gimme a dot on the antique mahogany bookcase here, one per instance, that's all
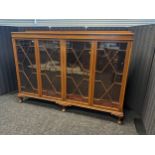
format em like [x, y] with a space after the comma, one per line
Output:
[87, 69]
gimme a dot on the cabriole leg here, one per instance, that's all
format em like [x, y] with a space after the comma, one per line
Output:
[63, 109]
[120, 120]
[21, 99]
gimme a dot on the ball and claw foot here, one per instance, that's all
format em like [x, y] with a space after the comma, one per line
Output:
[120, 121]
[20, 99]
[63, 109]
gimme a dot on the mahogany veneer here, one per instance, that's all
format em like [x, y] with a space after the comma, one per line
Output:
[74, 68]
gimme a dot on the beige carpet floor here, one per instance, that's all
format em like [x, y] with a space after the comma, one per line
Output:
[42, 117]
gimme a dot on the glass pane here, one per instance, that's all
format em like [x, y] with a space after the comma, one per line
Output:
[109, 70]
[27, 65]
[50, 67]
[78, 60]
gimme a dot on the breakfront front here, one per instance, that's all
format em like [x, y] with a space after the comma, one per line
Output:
[74, 68]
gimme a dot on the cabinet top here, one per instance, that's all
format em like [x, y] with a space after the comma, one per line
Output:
[98, 35]
[77, 32]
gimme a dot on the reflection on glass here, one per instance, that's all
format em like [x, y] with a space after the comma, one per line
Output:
[109, 69]
[78, 60]
[27, 65]
[50, 67]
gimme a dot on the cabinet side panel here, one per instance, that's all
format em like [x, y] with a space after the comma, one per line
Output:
[125, 74]
[16, 63]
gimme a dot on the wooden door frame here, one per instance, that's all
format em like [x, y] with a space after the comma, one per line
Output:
[17, 67]
[62, 66]
[125, 74]
[90, 74]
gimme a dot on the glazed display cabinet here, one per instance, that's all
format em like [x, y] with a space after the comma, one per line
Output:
[87, 69]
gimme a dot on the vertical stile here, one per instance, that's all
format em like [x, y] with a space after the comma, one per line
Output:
[17, 67]
[125, 74]
[92, 71]
[63, 68]
[37, 57]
